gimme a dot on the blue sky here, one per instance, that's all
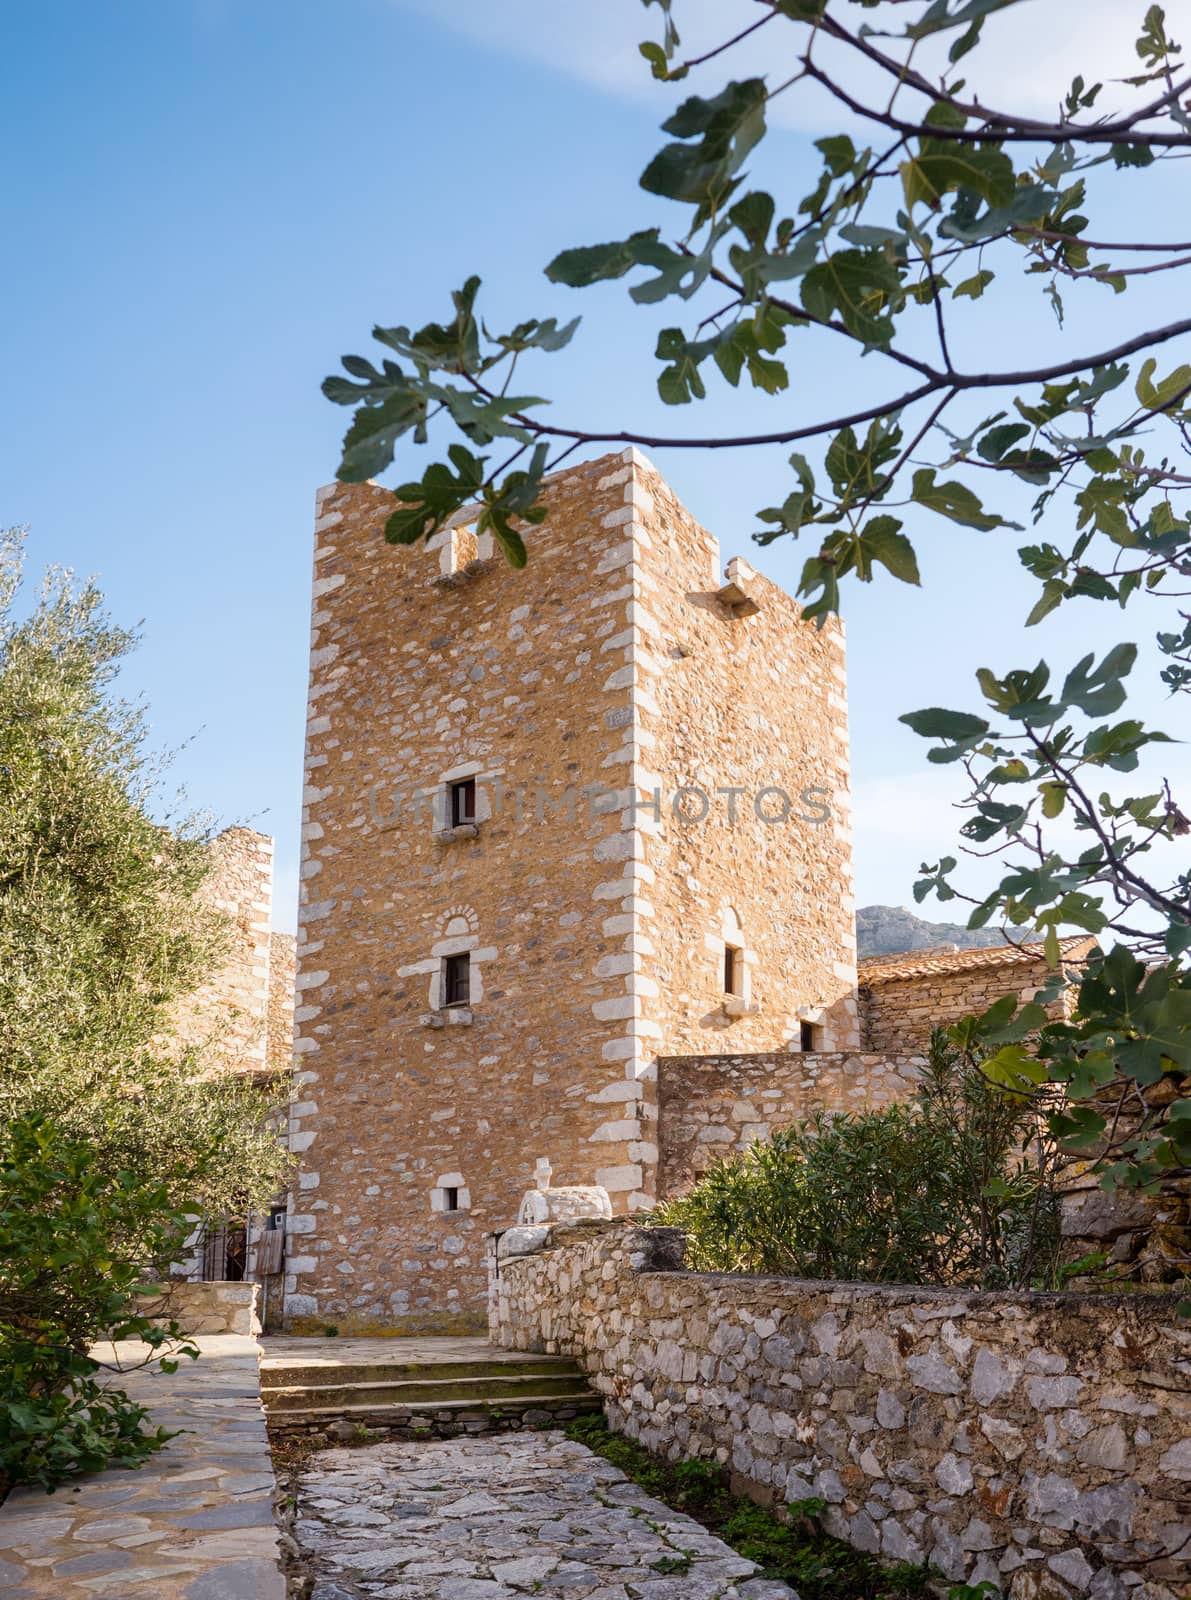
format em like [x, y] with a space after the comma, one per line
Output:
[209, 200]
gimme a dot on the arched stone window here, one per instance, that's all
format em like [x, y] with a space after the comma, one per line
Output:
[454, 967]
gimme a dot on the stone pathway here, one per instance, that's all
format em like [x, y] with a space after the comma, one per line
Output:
[194, 1523]
[309, 1350]
[501, 1518]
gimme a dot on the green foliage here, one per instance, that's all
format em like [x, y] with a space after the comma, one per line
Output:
[919, 215]
[955, 1188]
[817, 1566]
[101, 930]
[73, 1245]
[112, 1140]
[671, 1564]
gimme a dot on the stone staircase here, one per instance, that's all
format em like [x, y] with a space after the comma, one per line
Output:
[415, 1388]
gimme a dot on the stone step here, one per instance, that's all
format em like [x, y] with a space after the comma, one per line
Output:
[277, 1373]
[428, 1389]
[448, 1416]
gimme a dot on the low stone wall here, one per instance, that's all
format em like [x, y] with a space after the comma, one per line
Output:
[1040, 1442]
[206, 1307]
[712, 1106]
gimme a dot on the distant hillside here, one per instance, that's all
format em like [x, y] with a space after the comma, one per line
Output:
[889, 930]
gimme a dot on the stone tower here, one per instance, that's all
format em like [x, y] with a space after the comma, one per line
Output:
[557, 823]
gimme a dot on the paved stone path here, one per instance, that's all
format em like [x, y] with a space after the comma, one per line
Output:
[307, 1350]
[194, 1523]
[500, 1518]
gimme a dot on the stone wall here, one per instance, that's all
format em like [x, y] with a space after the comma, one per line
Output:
[206, 1307]
[739, 701]
[279, 1022]
[580, 697]
[227, 1019]
[1039, 1442]
[903, 997]
[713, 1106]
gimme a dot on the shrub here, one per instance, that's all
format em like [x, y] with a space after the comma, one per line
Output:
[113, 1140]
[74, 1241]
[103, 928]
[954, 1187]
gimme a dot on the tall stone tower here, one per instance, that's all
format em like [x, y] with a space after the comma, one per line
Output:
[557, 823]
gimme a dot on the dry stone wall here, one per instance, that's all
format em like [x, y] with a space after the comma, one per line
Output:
[710, 1107]
[1039, 1442]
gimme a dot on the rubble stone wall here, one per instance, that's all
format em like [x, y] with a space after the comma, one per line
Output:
[227, 1017]
[899, 1013]
[714, 1106]
[1039, 1442]
[580, 696]
[218, 1307]
[279, 1025]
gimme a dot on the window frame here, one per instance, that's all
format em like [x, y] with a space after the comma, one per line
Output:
[733, 970]
[461, 802]
[452, 967]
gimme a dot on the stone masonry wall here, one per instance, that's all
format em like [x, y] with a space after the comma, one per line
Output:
[1039, 1442]
[756, 704]
[580, 695]
[279, 1026]
[713, 1106]
[228, 1015]
[898, 1012]
[200, 1308]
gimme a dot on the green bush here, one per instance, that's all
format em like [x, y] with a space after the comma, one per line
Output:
[954, 1187]
[74, 1242]
[114, 1139]
[103, 926]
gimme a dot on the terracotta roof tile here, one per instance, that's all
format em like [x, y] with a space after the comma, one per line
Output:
[924, 963]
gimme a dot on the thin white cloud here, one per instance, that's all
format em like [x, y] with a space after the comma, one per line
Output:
[1026, 60]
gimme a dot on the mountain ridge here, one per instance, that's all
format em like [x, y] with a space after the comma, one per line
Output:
[894, 930]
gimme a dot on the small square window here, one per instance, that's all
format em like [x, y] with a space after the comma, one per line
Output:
[733, 969]
[457, 980]
[808, 1036]
[463, 802]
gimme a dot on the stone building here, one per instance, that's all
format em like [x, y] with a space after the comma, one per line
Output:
[241, 1025]
[903, 997]
[242, 1019]
[557, 823]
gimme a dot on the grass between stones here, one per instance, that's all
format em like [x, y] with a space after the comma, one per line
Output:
[817, 1566]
